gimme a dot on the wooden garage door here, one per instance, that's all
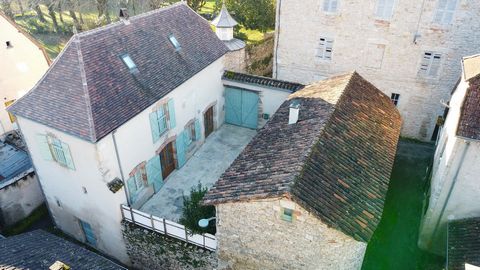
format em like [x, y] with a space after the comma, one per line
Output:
[241, 107]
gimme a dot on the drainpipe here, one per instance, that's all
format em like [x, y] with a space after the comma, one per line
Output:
[120, 168]
[417, 35]
[277, 38]
[450, 191]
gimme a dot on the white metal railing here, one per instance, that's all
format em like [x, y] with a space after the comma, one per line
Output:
[168, 227]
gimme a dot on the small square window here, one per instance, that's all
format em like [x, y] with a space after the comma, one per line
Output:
[175, 42]
[325, 49]
[9, 44]
[127, 60]
[287, 214]
[395, 98]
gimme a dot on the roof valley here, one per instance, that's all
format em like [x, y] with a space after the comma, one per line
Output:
[83, 75]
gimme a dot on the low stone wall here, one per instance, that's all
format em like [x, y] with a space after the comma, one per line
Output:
[151, 250]
[260, 57]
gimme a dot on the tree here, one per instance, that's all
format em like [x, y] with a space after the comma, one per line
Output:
[36, 6]
[196, 4]
[253, 14]
[6, 7]
[102, 7]
[71, 6]
[193, 211]
[51, 12]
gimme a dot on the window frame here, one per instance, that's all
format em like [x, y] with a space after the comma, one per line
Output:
[163, 119]
[139, 178]
[426, 71]
[287, 214]
[327, 6]
[444, 11]
[386, 15]
[324, 49]
[191, 133]
[129, 63]
[395, 98]
[175, 43]
[57, 151]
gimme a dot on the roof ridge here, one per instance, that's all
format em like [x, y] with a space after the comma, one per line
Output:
[119, 23]
[83, 75]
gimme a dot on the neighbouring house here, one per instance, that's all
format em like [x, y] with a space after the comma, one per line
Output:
[409, 49]
[20, 192]
[463, 250]
[235, 59]
[121, 108]
[41, 250]
[308, 191]
[454, 185]
[23, 62]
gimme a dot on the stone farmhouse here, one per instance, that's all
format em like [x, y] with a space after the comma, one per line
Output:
[454, 185]
[308, 191]
[409, 49]
[24, 61]
[115, 119]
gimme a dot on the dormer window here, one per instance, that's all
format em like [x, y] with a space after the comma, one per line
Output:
[175, 42]
[127, 60]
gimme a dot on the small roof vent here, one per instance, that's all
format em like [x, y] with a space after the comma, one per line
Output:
[175, 42]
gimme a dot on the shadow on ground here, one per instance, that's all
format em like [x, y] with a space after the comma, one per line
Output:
[394, 243]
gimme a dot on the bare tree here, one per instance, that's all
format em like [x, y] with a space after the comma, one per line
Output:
[6, 7]
[51, 12]
[20, 6]
[35, 4]
[102, 7]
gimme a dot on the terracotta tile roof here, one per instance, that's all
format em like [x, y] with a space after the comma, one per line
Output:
[89, 92]
[261, 81]
[463, 243]
[39, 250]
[335, 162]
[469, 124]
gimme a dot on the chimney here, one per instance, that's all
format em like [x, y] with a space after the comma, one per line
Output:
[294, 112]
[124, 16]
[58, 265]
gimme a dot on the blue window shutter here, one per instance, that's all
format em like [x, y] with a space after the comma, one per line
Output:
[89, 235]
[154, 173]
[154, 126]
[198, 130]
[181, 149]
[44, 147]
[68, 156]
[171, 112]
[132, 188]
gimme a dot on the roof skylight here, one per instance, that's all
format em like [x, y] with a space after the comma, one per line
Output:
[129, 62]
[175, 42]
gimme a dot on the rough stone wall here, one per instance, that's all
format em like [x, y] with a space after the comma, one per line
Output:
[355, 28]
[151, 250]
[236, 61]
[252, 235]
[19, 199]
[260, 57]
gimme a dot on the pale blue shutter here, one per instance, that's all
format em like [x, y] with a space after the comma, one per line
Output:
[171, 112]
[181, 149]
[326, 5]
[154, 126]
[198, 130]
[154, 173]
[132, 189]
[68, 156]
[44, 147]
[89, 235]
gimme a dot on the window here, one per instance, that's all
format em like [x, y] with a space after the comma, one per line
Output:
[53, 149]
[430, 65]
[287, 214]
[140, 178]
[385, 9]
[162, 119]
[8, 44]
[175, 42]
[375, 53]
[395, 98]
[127, 60]
[190, 133]
[11, 116]
[330, 6]
[445, 10]
[88, 232]
[325, 49]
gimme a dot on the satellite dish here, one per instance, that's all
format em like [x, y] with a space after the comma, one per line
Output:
[203, 223]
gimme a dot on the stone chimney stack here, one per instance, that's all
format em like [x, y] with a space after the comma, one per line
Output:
[123, 15]
[294, 112]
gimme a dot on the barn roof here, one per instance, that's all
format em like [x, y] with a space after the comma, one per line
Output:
[89, 91]
[335, 161]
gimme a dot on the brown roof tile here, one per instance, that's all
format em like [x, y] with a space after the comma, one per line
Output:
[469, 124]
[463, 243]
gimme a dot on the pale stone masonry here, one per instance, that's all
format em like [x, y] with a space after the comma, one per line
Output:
[387, 46]
[264, 241]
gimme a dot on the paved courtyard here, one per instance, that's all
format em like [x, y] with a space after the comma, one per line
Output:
[205, 166]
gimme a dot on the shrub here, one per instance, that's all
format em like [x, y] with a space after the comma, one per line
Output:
[193, 211]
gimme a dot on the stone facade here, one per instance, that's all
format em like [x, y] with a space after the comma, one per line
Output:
[151, 250]
[252, 235]
[235, 61]
[387, 52]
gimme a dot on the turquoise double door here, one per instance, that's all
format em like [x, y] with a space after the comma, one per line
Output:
[241, 107]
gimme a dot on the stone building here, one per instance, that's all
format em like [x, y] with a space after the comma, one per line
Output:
[454, 186]
[409, 49]
[235, 59]
[23, 63]
[308, 191]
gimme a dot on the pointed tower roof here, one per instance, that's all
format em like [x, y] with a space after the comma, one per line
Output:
[224, 19]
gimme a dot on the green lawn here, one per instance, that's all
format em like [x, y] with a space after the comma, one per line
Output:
[394, 244]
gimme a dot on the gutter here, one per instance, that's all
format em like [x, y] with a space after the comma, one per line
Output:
[120, 167]
[450, 191]
[277, 38]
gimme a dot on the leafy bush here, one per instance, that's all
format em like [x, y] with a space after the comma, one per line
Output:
[193, 211]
